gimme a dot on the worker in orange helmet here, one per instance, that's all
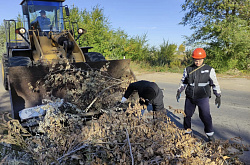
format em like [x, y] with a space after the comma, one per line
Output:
[197, 81]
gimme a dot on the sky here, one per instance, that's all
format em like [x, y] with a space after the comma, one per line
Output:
[158, 19]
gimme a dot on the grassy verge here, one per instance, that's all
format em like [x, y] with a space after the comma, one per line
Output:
[143, 67]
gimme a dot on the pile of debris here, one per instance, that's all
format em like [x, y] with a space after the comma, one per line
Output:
[70, 132]
[115, 138]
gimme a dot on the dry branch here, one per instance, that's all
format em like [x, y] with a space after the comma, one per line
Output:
[130, 149]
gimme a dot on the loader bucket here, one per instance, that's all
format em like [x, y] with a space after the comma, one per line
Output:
[20, 76]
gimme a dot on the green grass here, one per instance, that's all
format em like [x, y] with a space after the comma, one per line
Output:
[143, 67]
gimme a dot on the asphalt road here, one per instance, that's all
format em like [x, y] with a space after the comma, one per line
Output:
[4, 97]
[231, 120]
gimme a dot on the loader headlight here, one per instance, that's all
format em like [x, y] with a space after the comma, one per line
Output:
[81, 31]
[20, 31]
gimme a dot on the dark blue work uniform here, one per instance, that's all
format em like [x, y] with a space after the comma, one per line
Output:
[198, 83]
[43, 22]
[149, 91]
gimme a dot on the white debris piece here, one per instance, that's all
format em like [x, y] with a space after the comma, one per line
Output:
[38, 110]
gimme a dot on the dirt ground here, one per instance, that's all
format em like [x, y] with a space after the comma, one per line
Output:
[239, 84]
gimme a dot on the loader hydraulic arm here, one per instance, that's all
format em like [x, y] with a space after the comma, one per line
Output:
[63, 40]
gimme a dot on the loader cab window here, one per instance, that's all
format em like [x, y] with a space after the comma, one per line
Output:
[45, 16]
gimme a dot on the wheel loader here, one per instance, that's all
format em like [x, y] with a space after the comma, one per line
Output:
[45, 38]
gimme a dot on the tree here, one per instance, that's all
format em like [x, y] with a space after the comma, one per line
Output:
[111, 43]
[220, 25]
[166, 53]
[181, 49]
[11, 35]
[2, 40]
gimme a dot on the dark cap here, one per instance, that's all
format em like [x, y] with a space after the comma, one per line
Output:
[148, 93]
[42, 11]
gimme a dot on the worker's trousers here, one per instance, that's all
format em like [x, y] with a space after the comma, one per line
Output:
[204, 113]
[148, 109]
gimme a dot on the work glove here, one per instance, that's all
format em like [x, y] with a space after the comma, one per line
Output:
[147, 102]
[218, 101]
[178, 95]
[123, 100]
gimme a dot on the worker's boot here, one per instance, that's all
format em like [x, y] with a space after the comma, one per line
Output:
[211, 138]
[189, 132]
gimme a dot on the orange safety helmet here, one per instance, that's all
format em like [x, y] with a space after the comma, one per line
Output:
[199, 53]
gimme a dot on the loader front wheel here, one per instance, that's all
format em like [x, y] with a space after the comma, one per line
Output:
[94, 57]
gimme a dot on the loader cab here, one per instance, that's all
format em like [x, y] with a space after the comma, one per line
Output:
[43, 15]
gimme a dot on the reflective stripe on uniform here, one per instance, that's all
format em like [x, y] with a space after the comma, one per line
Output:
[200, 84]
[203, 84]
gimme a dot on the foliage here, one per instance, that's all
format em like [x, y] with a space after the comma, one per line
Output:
[9, 34]
[162, 57]
[181, 49]
[223, 27]
[167, 52]
[2, 40]
[114, 44]
[98, 29]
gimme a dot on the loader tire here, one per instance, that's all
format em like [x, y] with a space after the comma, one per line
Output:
[19, 61]
[94, 57]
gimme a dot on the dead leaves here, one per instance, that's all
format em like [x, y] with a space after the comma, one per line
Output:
[115, 138]
[121, 138]
[179, 111]
[12, 131]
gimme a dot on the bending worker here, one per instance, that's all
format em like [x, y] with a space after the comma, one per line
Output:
[147, 91]
[197, 80]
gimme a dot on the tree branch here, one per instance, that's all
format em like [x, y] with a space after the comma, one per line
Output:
[130, 149]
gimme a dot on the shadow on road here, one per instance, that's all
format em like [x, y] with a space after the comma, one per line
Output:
[176, 119]
[235, 136]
